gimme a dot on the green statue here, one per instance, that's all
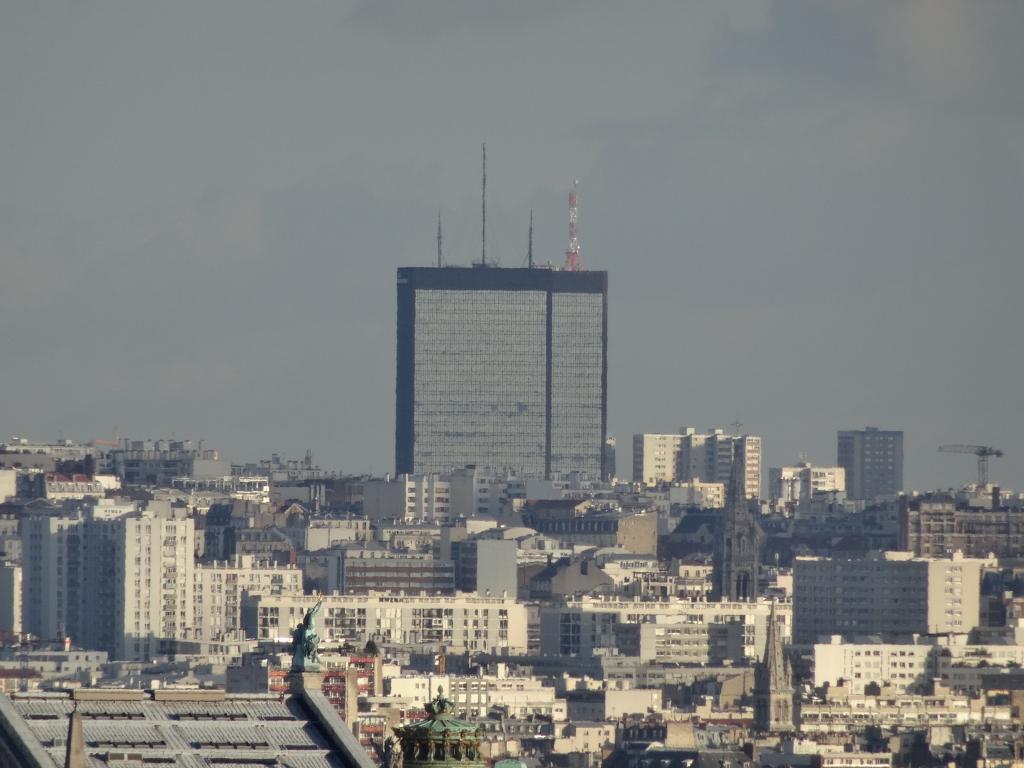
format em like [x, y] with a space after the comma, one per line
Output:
[305, 641]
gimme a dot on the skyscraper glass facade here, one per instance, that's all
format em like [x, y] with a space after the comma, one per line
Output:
[501, 368]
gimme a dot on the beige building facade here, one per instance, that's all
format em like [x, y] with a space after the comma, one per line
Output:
[885, 592]
[465, 622]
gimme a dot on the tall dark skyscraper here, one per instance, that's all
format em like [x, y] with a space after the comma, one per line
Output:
[873, 460]
[501, 368]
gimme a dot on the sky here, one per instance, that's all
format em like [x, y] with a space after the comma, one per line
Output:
[812, 213]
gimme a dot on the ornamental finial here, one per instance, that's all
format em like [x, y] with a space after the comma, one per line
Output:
[441, 705]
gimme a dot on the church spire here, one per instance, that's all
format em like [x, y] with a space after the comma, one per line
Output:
[773, 683]
[737, 556]
[736, 494]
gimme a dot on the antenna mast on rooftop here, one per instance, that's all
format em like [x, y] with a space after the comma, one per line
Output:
[529, 247]
[439, 238]
[572, 255]
[483, 212]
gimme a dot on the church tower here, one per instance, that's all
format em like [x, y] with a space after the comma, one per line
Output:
[773, 684]
[737, 555]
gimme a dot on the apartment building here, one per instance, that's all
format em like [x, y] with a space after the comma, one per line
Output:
[360, 569]
[408, 498]
[846, 712]
[461, 623]
[885, 592]
[697, 456]
[219, 588]
[112, 581]
[873, 461]
[656, 458]
[474, 696]
[672, 631]
[462, 493]
[159, 462]
[791, 485]
[10, 599]
[934, 525]
[911, 667]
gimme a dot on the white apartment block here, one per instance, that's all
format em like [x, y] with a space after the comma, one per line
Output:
[791, 485]
[465, 622]
[656, 458]
[885, 592]
[672, 631]
[219, 588]
[702, 456]
[695, 493]
[910, 667]
[8, 484]
[462, 493]
[154, 574]
[408, 498]
[109, 579]
[844, 713]
[521, 697]
[10, 598]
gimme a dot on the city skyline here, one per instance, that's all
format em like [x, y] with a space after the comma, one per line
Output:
[807, 213]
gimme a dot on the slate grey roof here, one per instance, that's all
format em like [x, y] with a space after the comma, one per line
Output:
[236, 731]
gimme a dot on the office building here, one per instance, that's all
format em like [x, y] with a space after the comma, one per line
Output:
[501, 368]
[893, 593]
[873, 461]
[610, 463]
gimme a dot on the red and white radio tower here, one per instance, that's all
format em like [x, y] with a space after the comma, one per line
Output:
[572, 255]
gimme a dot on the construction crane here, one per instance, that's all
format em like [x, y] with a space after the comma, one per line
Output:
[983, 452]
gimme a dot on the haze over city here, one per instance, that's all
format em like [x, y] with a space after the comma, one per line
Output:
[809, 213]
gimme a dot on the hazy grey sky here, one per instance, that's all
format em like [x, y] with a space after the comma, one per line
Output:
[812, 213]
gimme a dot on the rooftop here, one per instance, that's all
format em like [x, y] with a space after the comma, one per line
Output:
[193, 728]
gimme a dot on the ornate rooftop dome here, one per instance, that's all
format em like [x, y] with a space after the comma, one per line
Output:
[440, 739]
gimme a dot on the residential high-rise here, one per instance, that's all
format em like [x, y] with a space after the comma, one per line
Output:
[793, 484]
[702, 456]
[873, 460]
[656, 458]
[109, 580]
[501, 368]
[885, 592]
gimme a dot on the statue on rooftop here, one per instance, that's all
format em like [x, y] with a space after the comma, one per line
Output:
[440, 705]
[305, 641]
